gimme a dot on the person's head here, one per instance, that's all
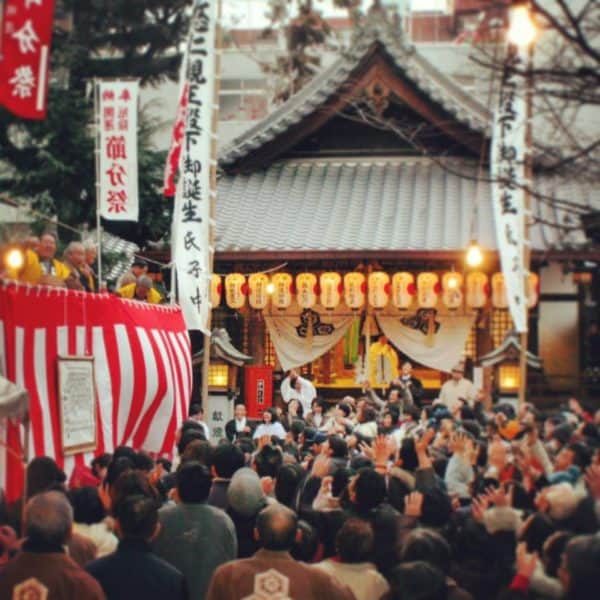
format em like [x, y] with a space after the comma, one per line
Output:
[337, 446]
[276, 527]
[139, 267]
[343, 410]
[91, 252]
[75, 254]
[367, 490]
[198, 450]
[408, 454]
[190, 431]
[387, 421]
[226, 460]
[536, 529]
[316, 406]
[268, 461]
[457, 371]
[143, 285]
[287, 483]
[406, 369]
[418, 580]
[130, 483]
[295, 408]
[137, 517]
[100, 465]
[579, 572]
[394, 396]
[48, 519]
[43, 474]
[552, 551]
[47, 246]
[306, 542]
[87, 506]
[368, 414]
[193, 482]
[196, 411]
[270, 416]
[427, 545]
[239, 411]
[575, 453]
[354, 541]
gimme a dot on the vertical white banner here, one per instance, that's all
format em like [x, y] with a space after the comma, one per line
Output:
[191, 218]
[118, 165]
[508, 175]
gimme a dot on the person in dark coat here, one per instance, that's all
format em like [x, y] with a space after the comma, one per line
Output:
[133, 571]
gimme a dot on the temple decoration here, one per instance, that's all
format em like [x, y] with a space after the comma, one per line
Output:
[403, 290]
[355, 287]
[379, 289]
[428, 288]
[235, 290]
[331, 289]
[258, 290]
[306, 290]
[477, 289]
[282, 294]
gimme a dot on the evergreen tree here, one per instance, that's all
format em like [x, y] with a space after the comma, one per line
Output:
[51, 162]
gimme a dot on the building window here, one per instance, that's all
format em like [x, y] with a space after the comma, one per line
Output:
[501, 324]
[243, 99]
[269, 350]
[218, 375]
[471, 345]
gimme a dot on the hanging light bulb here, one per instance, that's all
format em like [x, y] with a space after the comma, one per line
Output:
[14, 258]
[270, 288]
[522, 29]
[474, 256]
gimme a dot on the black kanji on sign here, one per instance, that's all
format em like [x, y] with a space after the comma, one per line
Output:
[510, 235]
[194, 268]
[217, 416]
[196, 299]
[196, 72]
[189, 241]
[194, 167]
[192, 189]
[506, 203]
[190, 213]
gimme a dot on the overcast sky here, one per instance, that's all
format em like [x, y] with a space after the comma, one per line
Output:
[250, 13]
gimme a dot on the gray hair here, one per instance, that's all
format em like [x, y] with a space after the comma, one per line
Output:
[90, 245]
[72, 246]
[48, 518]
[144, 281]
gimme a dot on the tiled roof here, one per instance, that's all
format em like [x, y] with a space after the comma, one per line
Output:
[425, 75]
[112, 244]
[377, 204]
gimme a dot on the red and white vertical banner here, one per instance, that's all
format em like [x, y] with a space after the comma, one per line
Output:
[508, 175]
[117, 106]
[192, 214]
[25, 40]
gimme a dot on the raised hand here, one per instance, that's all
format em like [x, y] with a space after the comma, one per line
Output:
[525, 562]
[413, 504]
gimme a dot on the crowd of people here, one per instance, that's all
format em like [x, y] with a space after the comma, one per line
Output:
[376, 496]
[75, 271]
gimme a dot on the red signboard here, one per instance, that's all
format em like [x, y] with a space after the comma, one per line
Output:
[258, 390]
[26, 33]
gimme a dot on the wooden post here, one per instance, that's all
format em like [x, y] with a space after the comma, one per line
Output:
[213, 190]
[524, 337]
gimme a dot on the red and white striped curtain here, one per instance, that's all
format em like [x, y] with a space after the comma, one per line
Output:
[142, 371]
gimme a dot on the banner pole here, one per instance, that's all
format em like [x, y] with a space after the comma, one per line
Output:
[97, 168]
[212, 193]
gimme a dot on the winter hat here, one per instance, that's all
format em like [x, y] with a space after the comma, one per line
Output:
[245, 493]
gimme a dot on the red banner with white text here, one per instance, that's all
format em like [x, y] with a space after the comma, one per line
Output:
[25, 40]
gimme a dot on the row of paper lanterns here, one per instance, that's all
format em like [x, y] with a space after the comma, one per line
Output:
[401, 290]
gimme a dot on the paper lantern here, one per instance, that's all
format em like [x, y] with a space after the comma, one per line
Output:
[428, 288]
[403, 290]
[216, 289]
[533, 290]
[235, 290]
[477, 293]
[258, 290]
[379, 289]
[331, 289]
[499, 297]
[306, 286]
[452, 294]
[282, 292]
[354, 290]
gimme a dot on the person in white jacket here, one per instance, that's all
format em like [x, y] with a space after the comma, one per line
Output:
[294, 386]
